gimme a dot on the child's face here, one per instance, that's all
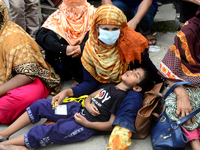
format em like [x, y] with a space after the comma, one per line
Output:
[132, 77]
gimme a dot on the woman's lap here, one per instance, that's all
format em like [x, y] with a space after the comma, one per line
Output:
[127, 112]
[14, 103]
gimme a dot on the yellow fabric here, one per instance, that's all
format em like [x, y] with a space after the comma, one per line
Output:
[70, 21]
[20, 54]
[80, 99]
[120, 138]
[107, 63]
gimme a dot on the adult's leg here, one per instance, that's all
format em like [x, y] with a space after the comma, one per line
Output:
[15, 102]
[125, 120]
[32, 17]
[17, 8]
[147, 21]
[121, 5]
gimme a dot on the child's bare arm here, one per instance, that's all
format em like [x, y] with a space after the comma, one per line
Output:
[92, 109]
[102, 126]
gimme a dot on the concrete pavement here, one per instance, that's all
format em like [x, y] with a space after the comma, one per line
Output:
[99, 142]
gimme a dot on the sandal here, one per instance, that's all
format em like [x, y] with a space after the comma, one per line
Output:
[3, 139]
[152, 39]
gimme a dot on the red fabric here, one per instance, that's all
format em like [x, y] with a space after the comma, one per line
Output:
[15, 102]
[192, 135]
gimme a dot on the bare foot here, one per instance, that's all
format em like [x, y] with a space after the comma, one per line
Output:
[12, 147]
[152, 39]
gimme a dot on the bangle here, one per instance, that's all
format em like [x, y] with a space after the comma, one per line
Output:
[182, 96]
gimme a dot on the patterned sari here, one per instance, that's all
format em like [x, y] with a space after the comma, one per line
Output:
[182, 63]
[20, 54]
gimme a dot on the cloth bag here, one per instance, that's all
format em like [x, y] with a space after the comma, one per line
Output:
[167, 134]
[149, 111]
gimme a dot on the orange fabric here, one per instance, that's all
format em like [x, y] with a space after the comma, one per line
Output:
[107, 63]
[20, 54]
[120, 139]
[131, 44]
[72, 20]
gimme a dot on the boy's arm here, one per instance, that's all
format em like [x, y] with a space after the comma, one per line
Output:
[102, 126]
[92, 109]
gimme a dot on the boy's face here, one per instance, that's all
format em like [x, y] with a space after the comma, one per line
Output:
[132, 77]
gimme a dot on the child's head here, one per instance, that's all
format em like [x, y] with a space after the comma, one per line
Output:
[139, 79]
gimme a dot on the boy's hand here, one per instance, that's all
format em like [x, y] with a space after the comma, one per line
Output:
[80, 119]
[92, 109]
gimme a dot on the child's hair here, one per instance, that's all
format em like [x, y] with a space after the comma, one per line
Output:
[147, 82]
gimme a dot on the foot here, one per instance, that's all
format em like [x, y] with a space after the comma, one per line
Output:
[152, 39]
[12, 147]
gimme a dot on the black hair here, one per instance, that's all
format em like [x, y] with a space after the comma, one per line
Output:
[147, 82]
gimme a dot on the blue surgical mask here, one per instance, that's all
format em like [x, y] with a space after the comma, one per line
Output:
[108, 37]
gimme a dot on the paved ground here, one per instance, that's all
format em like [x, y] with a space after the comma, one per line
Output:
[164, 41]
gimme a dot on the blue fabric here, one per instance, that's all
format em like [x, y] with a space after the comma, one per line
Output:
[89, 85]
[127, 112]
[135, 3]
[130, 7]
[65, 130]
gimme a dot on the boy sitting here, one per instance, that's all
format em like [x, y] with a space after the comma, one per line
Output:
[79, 123]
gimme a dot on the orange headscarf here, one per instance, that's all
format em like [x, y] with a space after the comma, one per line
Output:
[107, 63]
[72, 20]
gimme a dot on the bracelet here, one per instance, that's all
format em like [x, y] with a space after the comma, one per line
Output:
[182, 96]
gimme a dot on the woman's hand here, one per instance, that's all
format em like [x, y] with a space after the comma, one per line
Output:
[92, 109]
[183, 102]
[184, 107]
[80, 119]
[61, 96]
[73, 51]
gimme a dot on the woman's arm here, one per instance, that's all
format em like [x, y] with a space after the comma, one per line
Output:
[142, 10]
[49, 41]
[88, 86]
[102, 126]
[15, 82]
[183, 101]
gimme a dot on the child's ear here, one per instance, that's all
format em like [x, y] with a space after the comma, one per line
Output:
[137, 88]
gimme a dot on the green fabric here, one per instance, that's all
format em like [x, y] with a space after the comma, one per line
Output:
[171, 106]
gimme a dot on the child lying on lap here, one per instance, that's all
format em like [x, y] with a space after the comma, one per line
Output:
[79, 123]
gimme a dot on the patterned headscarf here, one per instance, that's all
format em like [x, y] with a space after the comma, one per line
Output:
[20, 54]
[72, 20]
[107, 63]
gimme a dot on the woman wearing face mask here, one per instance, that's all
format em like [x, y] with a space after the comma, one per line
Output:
[112, 47]
[63, 36]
